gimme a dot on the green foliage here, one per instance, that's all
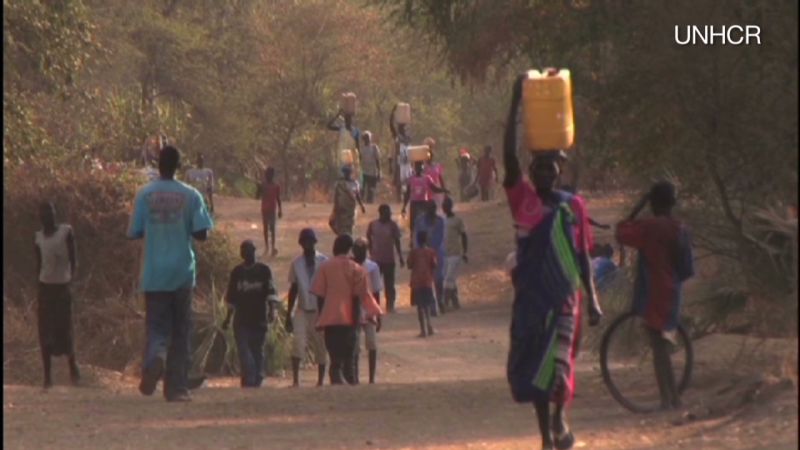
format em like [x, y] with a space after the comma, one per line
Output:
[723, 119]
[46, 44]
[217, 352]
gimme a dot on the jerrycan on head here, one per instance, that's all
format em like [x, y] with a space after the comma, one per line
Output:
[402, 115]
[547, 110]
[348, 103]
[346, 157]
[419, 153]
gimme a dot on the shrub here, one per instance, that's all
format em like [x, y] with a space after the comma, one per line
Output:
[108, 310]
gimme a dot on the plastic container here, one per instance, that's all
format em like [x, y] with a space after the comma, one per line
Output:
[402, 115]
[346, 157]
[419, 153]
[348, 103]
[547, 115]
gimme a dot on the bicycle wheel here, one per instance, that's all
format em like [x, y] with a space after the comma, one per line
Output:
[626, 362]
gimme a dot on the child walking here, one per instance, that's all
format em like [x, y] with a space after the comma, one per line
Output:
[251, 294]
[269, 192]
[456, 253]
[422, 262]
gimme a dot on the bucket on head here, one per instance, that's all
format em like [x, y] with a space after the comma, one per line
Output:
[346, 157]
[547, 114]
[348, 103]
[419, 153]
[402, 115]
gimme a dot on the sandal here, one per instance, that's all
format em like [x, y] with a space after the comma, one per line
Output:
[565, 441]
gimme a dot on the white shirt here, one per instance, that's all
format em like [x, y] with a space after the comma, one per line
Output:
[404, 164]
[374, 279]
[201, 179]
[55, 256]
[370, 156]
[373, 275]
[298, 273]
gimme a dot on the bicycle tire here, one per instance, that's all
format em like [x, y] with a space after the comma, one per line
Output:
[683, 383]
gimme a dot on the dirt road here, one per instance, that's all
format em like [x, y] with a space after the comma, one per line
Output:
[445, 392]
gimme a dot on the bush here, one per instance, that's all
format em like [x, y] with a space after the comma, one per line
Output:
[108, 310]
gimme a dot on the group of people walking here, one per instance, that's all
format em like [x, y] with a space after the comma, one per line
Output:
[333, 300]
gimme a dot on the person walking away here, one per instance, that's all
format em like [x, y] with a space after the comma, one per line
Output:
[202, 178]
[383, 236]
[346, 195]
[422, 262]
[434, 227]
[664, 263]
[455, 251]
[370, 166]
[342, 292]
[168, 214]
[349, 138]
[487, 173]
[269, 192]
[370, 325]
[436, 171]
[252, 296]
[553, 241]
[400, 162]
[466, 178]
[302, 313]
[421, 188]
[56, 263]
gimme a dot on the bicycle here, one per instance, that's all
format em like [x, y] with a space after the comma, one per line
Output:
[626, 360]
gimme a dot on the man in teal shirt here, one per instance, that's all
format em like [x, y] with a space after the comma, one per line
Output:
[168, 214]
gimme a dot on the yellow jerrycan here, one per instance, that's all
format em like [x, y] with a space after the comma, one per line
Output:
[346, 157]
[419, 153]
[547, 114]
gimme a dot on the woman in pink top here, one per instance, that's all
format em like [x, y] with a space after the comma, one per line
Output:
[435, 170]
[421, 188]
[552, 276]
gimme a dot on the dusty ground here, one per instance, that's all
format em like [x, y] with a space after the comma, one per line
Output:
[448, 391]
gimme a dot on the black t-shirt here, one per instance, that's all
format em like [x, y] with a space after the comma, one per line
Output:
[249, 289]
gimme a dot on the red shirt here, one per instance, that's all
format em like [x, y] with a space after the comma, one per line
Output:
[486, 169]
[270, 193]
[665, 261]
[422, 262]
[436, 172]
[420, 188]
[528, 211]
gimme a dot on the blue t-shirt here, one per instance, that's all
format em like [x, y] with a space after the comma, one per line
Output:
[434, 230]
[166, 213]
[604, 270]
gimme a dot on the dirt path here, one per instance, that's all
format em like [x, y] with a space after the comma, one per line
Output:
[448, 391]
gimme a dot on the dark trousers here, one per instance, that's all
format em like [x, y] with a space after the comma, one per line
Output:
[168, 321]
[250, 346]
[54, 319]
[370, 186]
[485, 192]
[663, 367]
[341, 341]
[415, 209]
[387, 271]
